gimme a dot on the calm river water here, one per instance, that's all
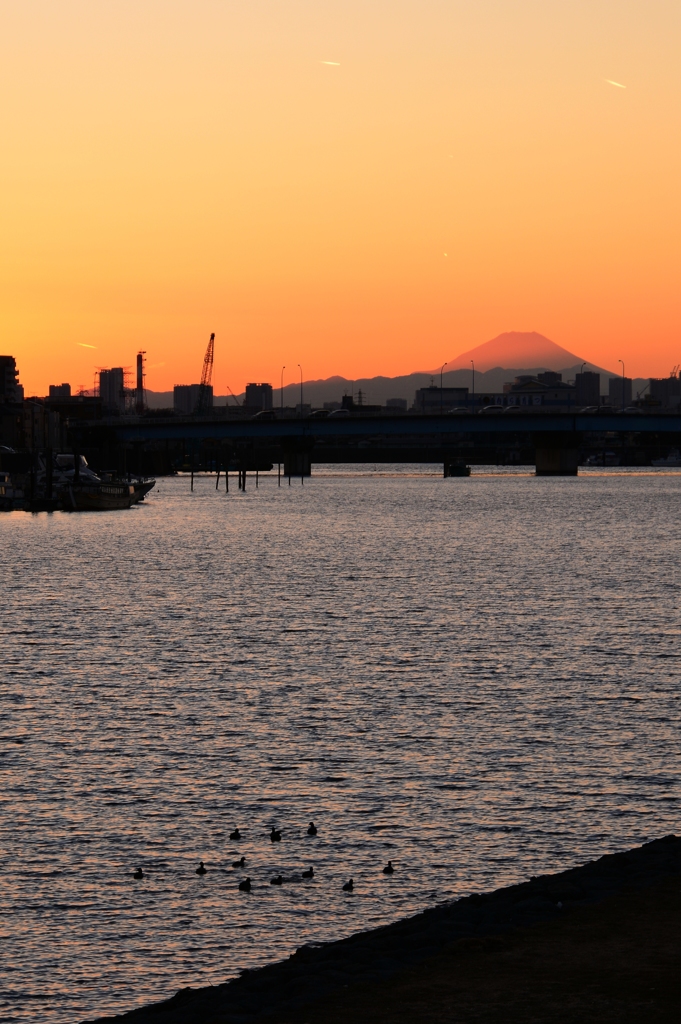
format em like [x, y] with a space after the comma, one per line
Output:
[475, 678]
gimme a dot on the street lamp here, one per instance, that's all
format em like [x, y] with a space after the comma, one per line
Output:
[473, 365]
[282, 388]
[441, 369]
[622, 362]
[301, 389]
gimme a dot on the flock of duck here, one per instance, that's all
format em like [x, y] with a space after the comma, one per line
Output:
[275, 837]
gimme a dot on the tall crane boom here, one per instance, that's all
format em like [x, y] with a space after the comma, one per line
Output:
[206, 377]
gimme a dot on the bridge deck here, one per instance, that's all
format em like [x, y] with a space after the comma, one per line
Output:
[414, 426]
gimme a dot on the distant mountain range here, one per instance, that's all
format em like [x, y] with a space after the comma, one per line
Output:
[496, 362]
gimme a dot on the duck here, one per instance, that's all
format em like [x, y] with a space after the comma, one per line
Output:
[201, 870]
[389, 869]
[236, 835]
[308, 874]
[349, 886]
[275, 836]
[239, 863]
[138, 874]
[277, 881]
[245, 886]
[312, 831]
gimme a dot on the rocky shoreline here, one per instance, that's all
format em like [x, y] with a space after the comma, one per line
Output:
[318, 973]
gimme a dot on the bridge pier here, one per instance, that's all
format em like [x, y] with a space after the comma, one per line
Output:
[556, 455]
[458, 468]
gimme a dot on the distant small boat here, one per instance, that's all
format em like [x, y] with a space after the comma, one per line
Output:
[603, 459]
[673, 459]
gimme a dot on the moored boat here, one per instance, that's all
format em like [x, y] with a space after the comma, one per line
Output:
[97, 497]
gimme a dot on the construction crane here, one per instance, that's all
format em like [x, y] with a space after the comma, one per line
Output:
[204, 402]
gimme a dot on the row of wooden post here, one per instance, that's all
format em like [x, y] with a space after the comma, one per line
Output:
[242, 478]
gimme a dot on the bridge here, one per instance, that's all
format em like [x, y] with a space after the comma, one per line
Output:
[554, 442]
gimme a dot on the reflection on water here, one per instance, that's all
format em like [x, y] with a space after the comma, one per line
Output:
[475, 678]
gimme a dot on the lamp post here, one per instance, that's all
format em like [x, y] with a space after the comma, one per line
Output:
[282, 388]
[622, 362]
[473, 365]
[441, 369]
[301, 390]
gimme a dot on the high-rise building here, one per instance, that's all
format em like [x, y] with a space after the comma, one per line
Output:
[10, 388]
[186, 398]
[666, 391]
[588, 388]
[619, 392]
[258, 397]
[60, 390]
[112, 390]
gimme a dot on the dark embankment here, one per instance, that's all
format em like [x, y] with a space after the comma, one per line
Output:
[599, 943]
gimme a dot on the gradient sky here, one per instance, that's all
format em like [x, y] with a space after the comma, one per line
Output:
[176, 167]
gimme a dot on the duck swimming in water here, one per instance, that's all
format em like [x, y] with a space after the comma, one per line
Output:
[275, 836]
[277, 881]
[312, 831]
[201, 870]
[245, 886]
[389, 869]
[236, 835]
[308, 874]
[349, 886]
[138, 874]
[239, 863]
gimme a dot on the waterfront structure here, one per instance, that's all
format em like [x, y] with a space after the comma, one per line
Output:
[258, 397]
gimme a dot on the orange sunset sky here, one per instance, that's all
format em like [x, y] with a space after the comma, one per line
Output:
[360, 186]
